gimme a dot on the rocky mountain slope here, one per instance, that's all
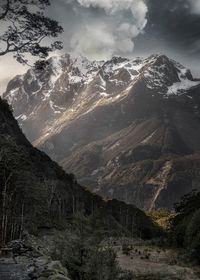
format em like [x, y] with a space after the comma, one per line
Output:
[128, 129]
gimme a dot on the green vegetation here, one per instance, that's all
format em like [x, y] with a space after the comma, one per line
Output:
[81, 250]
[185, 226]
[162, 217]
[36, 196]
[182, 227]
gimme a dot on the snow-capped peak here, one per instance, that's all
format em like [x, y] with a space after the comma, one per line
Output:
[68, 81]
[86, 66]
[117, 63]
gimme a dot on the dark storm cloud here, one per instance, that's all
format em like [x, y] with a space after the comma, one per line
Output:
[173, 28]
[175, 23]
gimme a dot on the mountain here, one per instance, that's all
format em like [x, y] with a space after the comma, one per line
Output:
[128, 128]
[36, 194]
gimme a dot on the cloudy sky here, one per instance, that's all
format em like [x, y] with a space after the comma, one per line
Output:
[100, 29]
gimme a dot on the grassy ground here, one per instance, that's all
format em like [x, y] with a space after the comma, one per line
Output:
[148, 262]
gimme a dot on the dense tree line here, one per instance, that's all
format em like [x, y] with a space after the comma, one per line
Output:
[185, 226]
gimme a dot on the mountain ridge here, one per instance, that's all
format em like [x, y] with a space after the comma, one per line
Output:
[124, 122]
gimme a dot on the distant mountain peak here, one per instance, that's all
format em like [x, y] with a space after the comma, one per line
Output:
[68, 81]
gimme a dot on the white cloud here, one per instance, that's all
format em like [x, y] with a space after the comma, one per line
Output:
[195, 6]
[114, 6]
[93, 41]
[111, 31]
[9, 68]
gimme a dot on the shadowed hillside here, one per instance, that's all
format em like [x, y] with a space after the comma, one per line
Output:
[37, 194]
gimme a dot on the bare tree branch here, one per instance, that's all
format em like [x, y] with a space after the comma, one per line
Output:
[7, 8]
[26, 30]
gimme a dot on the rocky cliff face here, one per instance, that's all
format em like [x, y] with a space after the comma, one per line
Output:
[128, 129]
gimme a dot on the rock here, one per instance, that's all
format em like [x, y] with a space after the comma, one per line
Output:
[58, 277]
[31, 270]
[43, 261]
[48, 272]
[35, 254]
[57, 266]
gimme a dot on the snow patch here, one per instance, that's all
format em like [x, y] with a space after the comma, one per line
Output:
[103, 82]
[56, 66]
[103, 94]
[74, 78]
[181, 87]
[132, 66]
[54, 108]
[21, 117]
[146, 140]
[12, 95]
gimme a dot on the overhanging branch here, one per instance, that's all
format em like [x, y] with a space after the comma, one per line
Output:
[7, 9]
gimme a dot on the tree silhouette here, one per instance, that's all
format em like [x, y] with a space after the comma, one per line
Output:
[25, 28]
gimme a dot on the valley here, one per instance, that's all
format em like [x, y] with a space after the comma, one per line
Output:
[99, 140]
[64, 230]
